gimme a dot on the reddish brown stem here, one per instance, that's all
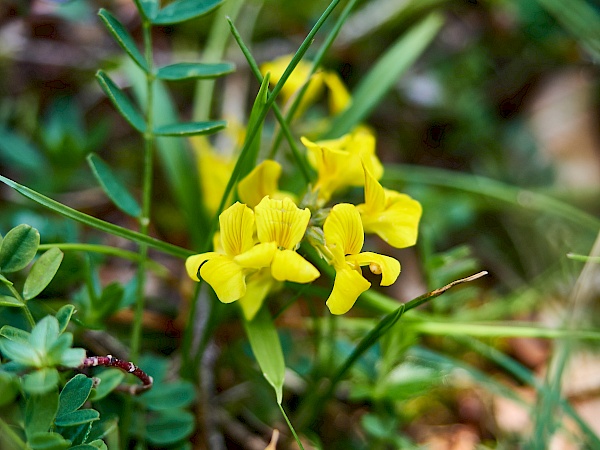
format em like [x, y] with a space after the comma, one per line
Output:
[125, 366]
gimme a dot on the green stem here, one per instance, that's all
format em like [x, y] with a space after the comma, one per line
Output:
[106, 250]
[25, 309]
[291, 427]
[7, 432]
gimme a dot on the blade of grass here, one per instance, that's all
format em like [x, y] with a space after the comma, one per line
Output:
[93, 222]
[488, 187]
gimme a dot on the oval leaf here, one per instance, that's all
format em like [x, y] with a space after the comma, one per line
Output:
[77, 418]
[44, 334]
[15, 334]
[19, 247]
[109, 380]
[42, 273]
[121, 102]
[266, 347]
[169, 428]
[111, 185]
[173, 395]
[63, 315]
[186, 71]
[40, 411]
[148, 8]
[41, 381]
[74, 394]
[182, 10]
[123, 38]
[48, 441]
[11, 302]
[190, 128]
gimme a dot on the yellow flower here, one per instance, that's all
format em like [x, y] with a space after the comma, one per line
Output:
[339, 97]
[339, 162]
[282, 223]
[344, 238]
[260, 182]
[297, 79]
[226, 272]
[391, 215]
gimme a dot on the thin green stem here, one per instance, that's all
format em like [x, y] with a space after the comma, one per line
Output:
[106, 250]
[25, 309]
[291, 427]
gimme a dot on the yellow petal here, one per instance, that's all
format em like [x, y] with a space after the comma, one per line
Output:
[226, 278]
[237, 229]
[281, 221]
[343, 230]
[193, 263]
[348, 285]
[374, 195]
[288, 265]
[330, 165]
[398, 222]
[257, 289]
[262, 181]
[258, 256]
[339, 97]
[214, 170]
[386, 266]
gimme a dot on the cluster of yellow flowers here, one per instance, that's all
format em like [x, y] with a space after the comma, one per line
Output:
[255, 250]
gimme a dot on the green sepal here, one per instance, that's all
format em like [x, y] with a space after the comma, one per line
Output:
[121, 102]
[188, 71]
[42, 272]
[123, 38]
[18, 248]
[113, 187]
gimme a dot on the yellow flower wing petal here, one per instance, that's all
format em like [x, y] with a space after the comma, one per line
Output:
[258, 287]
[398, 224]
[261, 181]
[339, 97]
[343, 230]
[258, 256]
[288, 265]
[193, 263]
[374, 196]
[348, 285]
[386, 266]
[237, 229]
[226, 278]
[281, 221]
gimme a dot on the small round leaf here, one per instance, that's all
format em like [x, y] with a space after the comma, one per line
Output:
[19, 247]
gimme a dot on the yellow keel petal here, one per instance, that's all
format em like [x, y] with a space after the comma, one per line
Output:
[348, 285]
[288, 265]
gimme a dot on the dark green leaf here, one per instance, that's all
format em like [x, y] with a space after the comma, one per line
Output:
[15, 334]
[385, 72]
[111, 185]
[165, 429]
[19, 247]
[48, 441]
[7, 300]
[121, 102]
[96, 223]
[42, 272]
[41, 381]
[40, 411]
[18, 153]
[78, 417]
[124, 39]
[190, 128]
[9, 388]
[186, 71]
[109, 380]
[148, 8]
[266, 347]
[173, 395]
[74, 394]
[63, 315]
[182, 10]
